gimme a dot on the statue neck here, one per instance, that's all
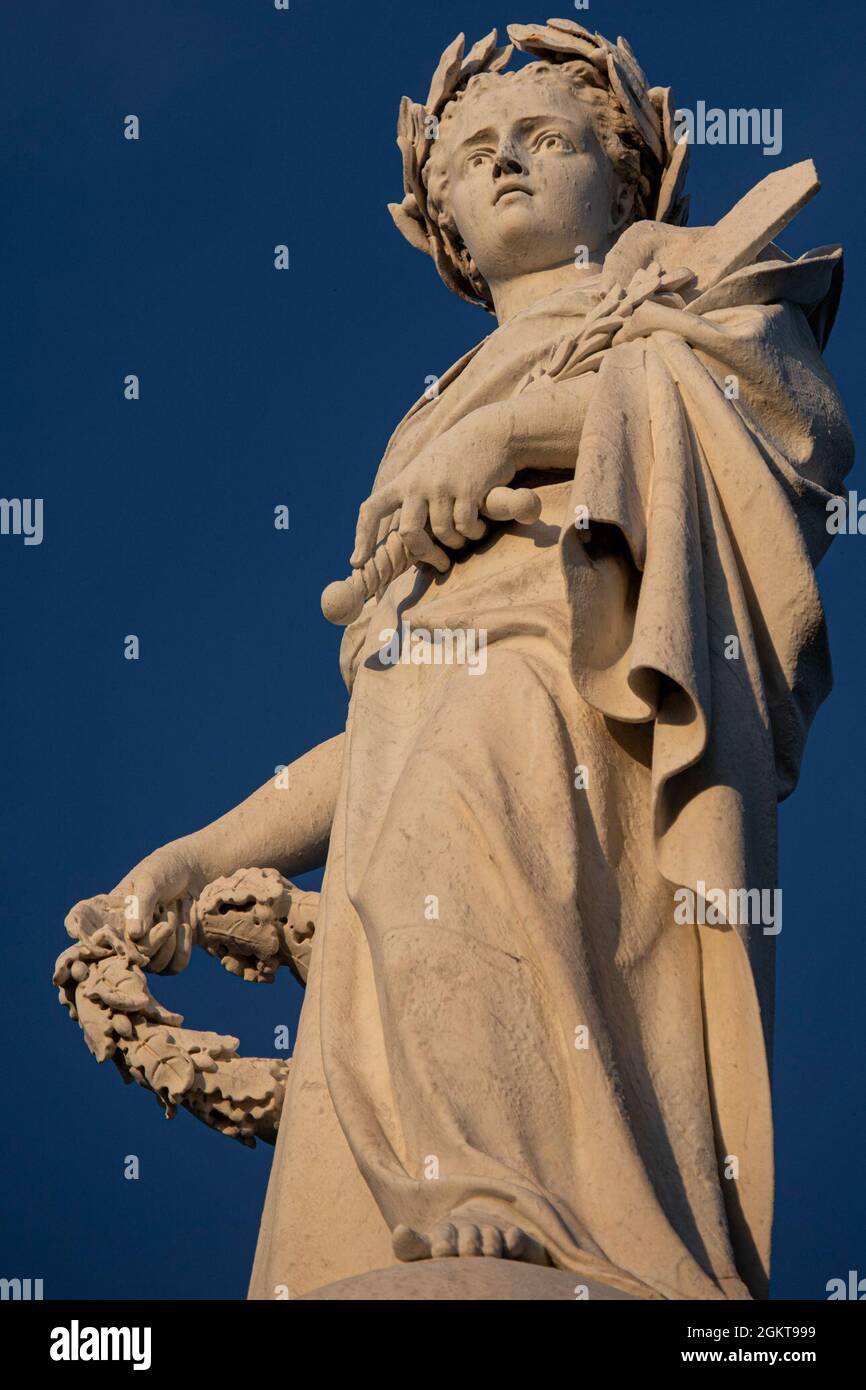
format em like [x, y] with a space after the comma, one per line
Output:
[520, 292]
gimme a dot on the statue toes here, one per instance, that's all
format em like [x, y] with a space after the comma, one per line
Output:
[408, 1244]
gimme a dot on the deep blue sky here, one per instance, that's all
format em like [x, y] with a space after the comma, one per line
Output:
[259, 387]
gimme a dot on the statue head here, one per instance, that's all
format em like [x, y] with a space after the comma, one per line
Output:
[510, 173]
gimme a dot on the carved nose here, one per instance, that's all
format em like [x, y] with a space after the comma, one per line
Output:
[507, 162]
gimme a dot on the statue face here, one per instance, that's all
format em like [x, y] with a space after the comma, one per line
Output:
[528, 180]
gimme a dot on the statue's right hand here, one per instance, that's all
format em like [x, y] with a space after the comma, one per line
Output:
[153, 899]
[160, 879]
[157, 895]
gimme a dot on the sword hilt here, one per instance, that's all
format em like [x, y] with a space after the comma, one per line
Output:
[343, 600]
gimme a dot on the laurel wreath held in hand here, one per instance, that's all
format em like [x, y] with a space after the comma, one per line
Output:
[253, 921]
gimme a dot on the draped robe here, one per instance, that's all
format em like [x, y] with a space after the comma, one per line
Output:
[502, 1011]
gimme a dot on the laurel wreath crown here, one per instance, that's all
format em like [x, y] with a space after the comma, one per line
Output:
[591, 57]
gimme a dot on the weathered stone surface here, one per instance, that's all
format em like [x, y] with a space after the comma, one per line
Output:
[465, 1280]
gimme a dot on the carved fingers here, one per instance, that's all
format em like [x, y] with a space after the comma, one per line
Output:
[155, 898]
[466, 519]
[426, 515]
[417, 540]
[370, 515]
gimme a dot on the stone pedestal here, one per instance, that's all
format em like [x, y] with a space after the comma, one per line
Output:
[465, 1280]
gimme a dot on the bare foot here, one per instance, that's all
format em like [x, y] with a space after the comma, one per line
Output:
[468, 1233]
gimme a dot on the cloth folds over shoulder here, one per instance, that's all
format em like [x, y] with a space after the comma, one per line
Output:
[712, 444]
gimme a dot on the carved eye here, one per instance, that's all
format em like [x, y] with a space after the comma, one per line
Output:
[477, 159]
[554, 143]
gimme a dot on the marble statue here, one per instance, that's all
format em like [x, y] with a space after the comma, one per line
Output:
[584, 644]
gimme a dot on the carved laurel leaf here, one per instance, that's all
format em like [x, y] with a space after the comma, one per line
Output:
[483, 56]
[95, 1022]
[172, 1075]
[117, 986]
[409, 145]
[166, 1069]
[411, 181]
[423, 124]
[662, 100]
[247, 1082]
[404, 121]
[570, 26]
[501, 58]
[207, 1048]
[557, 43]
[243, 1098]
[670, 201]
[408, 220]
[634, 99]
[446, 75]
[636, 74]
[479, 52]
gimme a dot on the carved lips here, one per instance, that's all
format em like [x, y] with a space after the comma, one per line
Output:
[512, 188]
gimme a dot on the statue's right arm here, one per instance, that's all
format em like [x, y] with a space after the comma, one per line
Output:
[285, 825]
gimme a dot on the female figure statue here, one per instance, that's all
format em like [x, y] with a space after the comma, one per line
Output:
[516, 1041]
